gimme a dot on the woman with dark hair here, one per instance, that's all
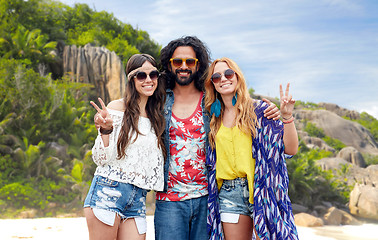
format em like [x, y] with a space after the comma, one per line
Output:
[129, 153]
[247, 158]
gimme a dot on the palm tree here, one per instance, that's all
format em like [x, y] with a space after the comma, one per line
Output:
[25, 44]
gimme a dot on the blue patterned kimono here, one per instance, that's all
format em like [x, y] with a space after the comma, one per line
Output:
[272, 214]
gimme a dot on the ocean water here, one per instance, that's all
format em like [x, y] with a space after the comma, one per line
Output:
[76, 228]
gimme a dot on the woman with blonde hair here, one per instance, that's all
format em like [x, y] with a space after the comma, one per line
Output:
[247, 158]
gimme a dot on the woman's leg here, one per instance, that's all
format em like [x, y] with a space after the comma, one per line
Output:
[99, 230]
[128, 231]
[236, 211]
[242, 230]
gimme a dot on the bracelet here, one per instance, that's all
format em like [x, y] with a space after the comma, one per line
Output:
[287, 118]
[106, 131]
[289, 121]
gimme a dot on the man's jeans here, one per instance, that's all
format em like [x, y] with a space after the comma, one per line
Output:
[183, 220]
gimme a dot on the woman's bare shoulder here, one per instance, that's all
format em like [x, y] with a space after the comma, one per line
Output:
[117, 105]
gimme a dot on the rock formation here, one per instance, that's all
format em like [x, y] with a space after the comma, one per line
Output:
[97, 66]
[307, 220]
[364, 201]
[342, 112]
[352, 155]
[350, 133]
[336, 216]
[315, 142]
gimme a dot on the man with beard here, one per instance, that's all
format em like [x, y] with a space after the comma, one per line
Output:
[181, 209]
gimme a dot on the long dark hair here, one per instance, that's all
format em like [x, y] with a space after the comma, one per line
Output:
[154, 107]
[202, 53]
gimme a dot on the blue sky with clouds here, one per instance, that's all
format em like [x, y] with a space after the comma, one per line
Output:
[326, 49]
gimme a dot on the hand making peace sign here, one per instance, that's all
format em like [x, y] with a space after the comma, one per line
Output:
[102, 118]
[287, 103]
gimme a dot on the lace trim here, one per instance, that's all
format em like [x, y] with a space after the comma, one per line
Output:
[143, 162]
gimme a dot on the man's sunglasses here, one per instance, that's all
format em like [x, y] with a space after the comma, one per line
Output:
[190, 62]
[142, 76]
[216, 77]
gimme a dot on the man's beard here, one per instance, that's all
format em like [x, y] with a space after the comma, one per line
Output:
[184, 81]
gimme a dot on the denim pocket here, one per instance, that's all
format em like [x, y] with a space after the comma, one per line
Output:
[107, 182]
[227, 187]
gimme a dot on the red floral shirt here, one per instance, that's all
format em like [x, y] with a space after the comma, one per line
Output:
[187, 172]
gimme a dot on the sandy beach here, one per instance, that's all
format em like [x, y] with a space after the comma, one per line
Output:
[76, 228]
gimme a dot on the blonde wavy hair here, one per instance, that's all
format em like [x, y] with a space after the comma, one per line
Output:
[245, 119]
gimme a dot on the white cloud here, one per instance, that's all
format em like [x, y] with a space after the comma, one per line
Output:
[327, 49]
[371, 107]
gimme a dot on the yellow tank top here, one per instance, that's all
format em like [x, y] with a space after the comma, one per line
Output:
[234, 156]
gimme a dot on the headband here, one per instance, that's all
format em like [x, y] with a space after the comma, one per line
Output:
[137, 70]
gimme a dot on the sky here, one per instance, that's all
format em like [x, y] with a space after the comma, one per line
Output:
[326, 49]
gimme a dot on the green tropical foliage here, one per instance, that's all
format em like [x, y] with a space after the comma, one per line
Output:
[370, 159]
[368, 122]
[53, 21]
[28, 45]
[46, 127]
[251, 91]
[314, 131]
[309, 185]
[335, 143]
[306, 105]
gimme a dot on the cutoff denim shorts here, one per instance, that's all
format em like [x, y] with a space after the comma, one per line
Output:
[126, 200]
[234, 199]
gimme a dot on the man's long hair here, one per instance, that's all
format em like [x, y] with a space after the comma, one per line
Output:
[154, 107]
[202, 54]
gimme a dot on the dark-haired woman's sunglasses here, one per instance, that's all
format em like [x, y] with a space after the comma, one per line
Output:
[142, 76]
[190, 62]
[216, 77]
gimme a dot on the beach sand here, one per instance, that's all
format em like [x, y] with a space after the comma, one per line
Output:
[76, 228]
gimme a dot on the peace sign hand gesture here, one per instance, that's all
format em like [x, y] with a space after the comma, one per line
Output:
[102, 118]
[287, 103]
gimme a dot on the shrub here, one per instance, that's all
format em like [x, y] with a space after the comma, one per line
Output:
[314, 131]
[335, 143]
[309, 185]
[36, 111]
[21, 195]
[370, 159]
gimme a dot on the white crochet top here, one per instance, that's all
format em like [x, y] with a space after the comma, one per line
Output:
[143, 162]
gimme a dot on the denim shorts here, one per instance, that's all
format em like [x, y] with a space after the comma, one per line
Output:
[109, 196]
[234, 199]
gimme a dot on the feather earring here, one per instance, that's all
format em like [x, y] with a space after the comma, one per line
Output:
[216, 108]
[234, 99]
